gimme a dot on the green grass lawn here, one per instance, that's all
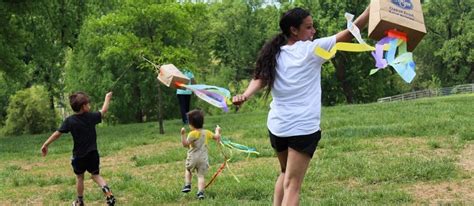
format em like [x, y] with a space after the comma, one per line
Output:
[414, 152]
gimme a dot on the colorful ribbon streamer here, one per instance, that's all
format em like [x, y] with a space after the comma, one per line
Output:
[225, 142]
[353, 28]
[342, 46]
[221, 168]
[403, 63]
[238, 147]
[216, 96]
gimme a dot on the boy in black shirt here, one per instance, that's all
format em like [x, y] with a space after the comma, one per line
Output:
[85, 154]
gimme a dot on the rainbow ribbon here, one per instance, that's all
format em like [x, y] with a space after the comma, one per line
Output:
[213, 95]
[238, 147]
[403, 63]
[225, 142]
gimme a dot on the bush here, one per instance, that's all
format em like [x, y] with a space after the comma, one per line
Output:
[28, 112]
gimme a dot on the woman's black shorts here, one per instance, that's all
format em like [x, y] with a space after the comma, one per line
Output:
[90, 162]
[302, 143]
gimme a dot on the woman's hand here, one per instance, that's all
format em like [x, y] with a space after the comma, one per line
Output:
[254, 86]
[44, 150]
[239, 99]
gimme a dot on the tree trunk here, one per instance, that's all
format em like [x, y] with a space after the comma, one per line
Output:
[339, 63]
[50, 90]
[160, 109]
[160, 106]
[51, 102]
[136, 93]
[137, 97]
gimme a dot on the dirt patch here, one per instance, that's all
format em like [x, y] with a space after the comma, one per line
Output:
[124, 156]
[444, 192]
[48, 165]
[169, 169]
[352, 183]
[29, 195]
[467, 159]
[449, 192]
[411, 146]
[398, 141]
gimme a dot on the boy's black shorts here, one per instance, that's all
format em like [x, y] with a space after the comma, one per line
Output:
[90, 162]
[302, 143]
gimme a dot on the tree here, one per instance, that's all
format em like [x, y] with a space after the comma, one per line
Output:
[446, 52]
[28, 112]
[239, 31]
[38, 35]
[351, 70]
[112, 46]
[12, 41]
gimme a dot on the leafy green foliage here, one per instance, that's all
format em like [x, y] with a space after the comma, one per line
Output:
[7, 88]
[96, 46]
[13, 39]
[110, 54]
[29, 113]
[239, 31]
[447, 51]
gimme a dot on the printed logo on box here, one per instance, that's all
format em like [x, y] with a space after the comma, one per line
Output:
[404, 4]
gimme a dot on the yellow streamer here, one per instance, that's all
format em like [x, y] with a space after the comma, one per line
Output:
[343, 46]
[349, 47]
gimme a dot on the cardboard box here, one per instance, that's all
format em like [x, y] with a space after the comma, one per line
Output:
[403, 15]
[169, 75]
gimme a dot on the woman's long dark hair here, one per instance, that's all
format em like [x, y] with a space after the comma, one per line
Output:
[266, 62]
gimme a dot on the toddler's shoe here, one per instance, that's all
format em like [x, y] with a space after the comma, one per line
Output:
[200, 195]
[186, 188]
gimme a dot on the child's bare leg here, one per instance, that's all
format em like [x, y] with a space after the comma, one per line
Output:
[201, 182]
[187, 177]
[99, 180]
[80, 185]
[103, 185]
[187, 181]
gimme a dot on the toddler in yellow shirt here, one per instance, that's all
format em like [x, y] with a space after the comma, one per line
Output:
[197, 158]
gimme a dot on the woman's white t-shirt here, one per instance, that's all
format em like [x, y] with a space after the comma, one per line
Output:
[296, 92]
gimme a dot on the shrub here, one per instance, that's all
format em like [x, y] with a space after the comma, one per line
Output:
[28, 112]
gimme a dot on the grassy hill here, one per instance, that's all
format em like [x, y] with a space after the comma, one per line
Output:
[411, 152]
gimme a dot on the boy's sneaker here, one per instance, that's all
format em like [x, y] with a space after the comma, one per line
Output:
[77, 202]
[200, 195]
[110, 200]
[186, 188]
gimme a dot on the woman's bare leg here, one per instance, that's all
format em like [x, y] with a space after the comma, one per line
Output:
[296, 167]
[279, 189]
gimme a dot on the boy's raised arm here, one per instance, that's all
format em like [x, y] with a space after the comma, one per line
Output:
[105, 106]
[51, 139]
